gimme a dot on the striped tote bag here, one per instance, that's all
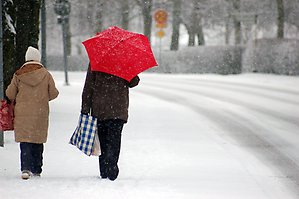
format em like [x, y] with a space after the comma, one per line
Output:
[84, 135]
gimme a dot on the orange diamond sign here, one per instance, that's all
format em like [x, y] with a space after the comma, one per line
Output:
[160, 33]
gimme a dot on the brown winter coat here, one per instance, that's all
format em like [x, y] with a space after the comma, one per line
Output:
[32, 87]
[106, 96]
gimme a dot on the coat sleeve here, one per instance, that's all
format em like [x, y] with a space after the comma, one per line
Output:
[87, 92]
[12, 89]
[53, 92]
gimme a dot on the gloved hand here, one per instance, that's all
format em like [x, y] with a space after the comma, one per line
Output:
[84, 112]
[134, 82]
[7, 99]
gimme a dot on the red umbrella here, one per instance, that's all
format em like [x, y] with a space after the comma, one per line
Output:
[120, 52]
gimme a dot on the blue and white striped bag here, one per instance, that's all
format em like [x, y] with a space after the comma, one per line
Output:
[84, 135]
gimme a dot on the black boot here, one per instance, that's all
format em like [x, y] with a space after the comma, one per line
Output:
[113, 172]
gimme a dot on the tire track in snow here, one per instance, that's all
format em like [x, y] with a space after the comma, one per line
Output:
[242, 85]
[228, 99]
[230, 83]
[243, 88]
[243, 132]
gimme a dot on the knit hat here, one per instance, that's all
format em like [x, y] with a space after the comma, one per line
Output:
[32, 54]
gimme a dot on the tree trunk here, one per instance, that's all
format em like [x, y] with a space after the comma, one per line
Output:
[193, 25]
[280, 19]
[200, 36]
[90, 14]
[227, 31]
[191, 40]
[99, 16]
[27, 27]
[237, 23]
[125, 10]
[198, 23]
[9, 50]
[147, 17]
[176, 25]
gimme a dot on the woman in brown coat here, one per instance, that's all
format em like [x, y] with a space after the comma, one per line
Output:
[106, 97]
[32, 87]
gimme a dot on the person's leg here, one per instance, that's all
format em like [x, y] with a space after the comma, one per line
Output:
[25, 156]
[37, 159]
[110, 141]
[114, 128]
[102, 132]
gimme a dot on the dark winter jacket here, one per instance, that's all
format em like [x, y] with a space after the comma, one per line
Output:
[106, 96]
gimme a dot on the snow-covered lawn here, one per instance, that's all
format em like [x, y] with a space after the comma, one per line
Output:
[188, 137]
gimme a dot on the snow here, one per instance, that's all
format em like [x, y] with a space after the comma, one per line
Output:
[188, 136]
[9, 23]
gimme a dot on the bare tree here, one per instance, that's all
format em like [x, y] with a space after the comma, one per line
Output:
[280, 19]
[125, 11]
[146, 7]
[9, 33]
[199, 14]
[27, 27]
[237, 23]
[191, 23]
[196, 28]
[291, 12]
[99, 16]
[176, 20]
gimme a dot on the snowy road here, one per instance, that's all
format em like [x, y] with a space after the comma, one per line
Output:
[260, 116]
[188, 136]
[265, 116]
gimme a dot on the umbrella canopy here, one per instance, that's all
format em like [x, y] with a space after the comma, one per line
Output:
[119, 52]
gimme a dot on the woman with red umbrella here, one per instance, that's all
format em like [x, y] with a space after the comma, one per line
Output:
[106, 97]
[116, 57]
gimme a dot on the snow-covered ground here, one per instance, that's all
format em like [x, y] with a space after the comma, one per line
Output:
[188, 137]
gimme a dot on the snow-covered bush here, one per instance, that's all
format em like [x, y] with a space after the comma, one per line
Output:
[206, 59]
[280, 56]
[201, 59]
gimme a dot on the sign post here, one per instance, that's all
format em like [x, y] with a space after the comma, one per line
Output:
[63, 9]
[160, 17]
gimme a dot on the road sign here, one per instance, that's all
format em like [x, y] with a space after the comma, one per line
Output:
[161, 25]
[62, 7]
[160, 33]
[161, 16]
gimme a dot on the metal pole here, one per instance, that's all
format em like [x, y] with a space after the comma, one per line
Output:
[62, 9]
[43, 33]
[1, 69]
[160, 51]
[65, 58]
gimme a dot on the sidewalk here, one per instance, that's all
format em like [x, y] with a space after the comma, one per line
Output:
[168, 152]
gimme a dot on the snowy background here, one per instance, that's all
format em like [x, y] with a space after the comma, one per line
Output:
[259, 51]
[191, 133]
[188, 136]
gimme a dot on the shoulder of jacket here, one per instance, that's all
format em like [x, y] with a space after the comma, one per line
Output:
[29, 67]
